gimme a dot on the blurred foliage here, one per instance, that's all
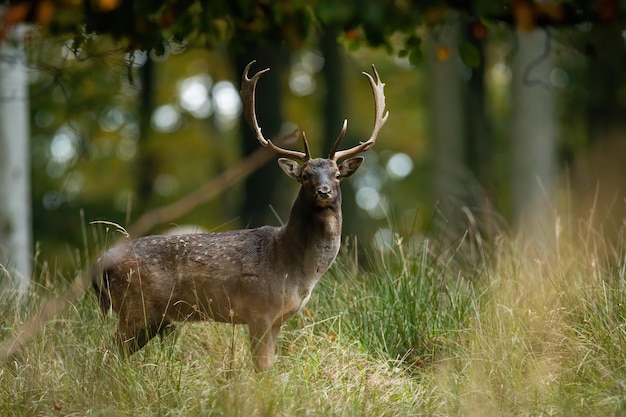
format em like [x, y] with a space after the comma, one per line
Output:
[85, 144]
[87, 56]
[94, 104]
[153, 24]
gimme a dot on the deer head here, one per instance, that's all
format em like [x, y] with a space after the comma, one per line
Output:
[319, 177]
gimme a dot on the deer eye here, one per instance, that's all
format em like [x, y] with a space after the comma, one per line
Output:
[338, 176]
[304, 176]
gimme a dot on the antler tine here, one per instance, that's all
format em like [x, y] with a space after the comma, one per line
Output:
[307, 152]
[248, 92]
[378, 88]
[331, 155]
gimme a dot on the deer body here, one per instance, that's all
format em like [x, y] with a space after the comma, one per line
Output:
[259, 277]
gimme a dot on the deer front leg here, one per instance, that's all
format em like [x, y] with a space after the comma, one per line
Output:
[263, 337]
[133, 336]
[134, 331]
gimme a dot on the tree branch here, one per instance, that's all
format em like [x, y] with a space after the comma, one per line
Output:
[169, 213]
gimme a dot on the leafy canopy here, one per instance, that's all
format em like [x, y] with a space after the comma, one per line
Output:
[151, 24]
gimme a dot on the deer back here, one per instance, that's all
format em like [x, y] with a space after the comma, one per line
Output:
[195, 276]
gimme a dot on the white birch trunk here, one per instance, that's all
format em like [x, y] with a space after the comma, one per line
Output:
[533, 135]
[15, 196]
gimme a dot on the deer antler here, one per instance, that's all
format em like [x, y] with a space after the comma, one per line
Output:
[380, 119]
[248, 91]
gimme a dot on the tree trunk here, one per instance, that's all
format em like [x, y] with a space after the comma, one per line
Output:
[596, 177]
[261, 187]
[146, 164]
[480, 188]
[334, 103]
[479, 139]
[605, 82]
[333, 113]
[533, 135]
[15, 201]
[447, 99]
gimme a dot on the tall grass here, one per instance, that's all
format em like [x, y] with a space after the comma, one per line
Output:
[410, 306]
[420, 331]
[549, 336]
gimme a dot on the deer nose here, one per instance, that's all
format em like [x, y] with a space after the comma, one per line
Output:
[323, 191]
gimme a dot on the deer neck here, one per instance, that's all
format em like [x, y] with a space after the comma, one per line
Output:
[313, 235]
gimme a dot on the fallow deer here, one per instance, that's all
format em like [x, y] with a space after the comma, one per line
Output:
[259, 277]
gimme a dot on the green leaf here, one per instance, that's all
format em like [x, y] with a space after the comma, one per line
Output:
[413, 42]
[416, 57]
[159, 48]
[469, 54]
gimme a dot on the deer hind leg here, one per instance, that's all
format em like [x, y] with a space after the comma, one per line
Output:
[263, 338]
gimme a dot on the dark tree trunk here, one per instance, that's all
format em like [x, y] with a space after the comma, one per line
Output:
[597, 175]
[607, 60]
[146, 164]
[261, 187]
[479, 143]
[333, 113]
[334, 103]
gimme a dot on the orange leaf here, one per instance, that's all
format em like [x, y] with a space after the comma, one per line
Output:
[443, 53]
[15, 13]
[479, 31]
[44, 12]
[524, 14]
[353, 35]
[108, 5]
[436, 14]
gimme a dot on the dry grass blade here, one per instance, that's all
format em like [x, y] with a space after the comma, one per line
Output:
[50, 309]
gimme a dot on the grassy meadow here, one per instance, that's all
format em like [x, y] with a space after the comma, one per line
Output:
[424, 330]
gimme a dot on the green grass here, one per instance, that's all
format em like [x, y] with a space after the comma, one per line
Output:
[418, 333]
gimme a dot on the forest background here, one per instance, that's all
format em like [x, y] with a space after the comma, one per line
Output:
[484, 267]
[496, 106]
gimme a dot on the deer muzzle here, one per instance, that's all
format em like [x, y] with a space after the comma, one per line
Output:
[324, 196]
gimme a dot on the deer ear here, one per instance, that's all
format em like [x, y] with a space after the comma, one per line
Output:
[349, 166]
[291, 168]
